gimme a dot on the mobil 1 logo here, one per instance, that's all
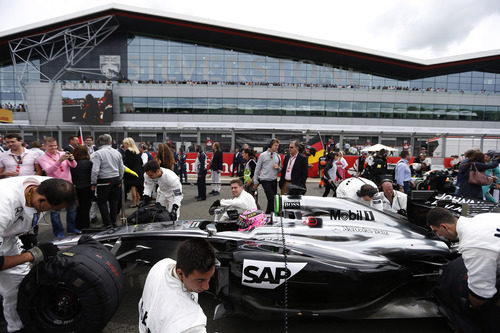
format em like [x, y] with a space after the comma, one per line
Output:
[268, 274]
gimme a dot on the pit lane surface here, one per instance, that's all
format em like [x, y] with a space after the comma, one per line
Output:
[126, 318]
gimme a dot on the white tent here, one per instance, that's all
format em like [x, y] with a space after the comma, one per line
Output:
[378, 147]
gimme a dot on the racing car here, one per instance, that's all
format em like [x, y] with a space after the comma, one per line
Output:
[314, 257]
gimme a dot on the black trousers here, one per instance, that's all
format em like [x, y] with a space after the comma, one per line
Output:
[84, 196]
[270, 188]
[108, 194]
[452, 293]
[202, 185]
[330, 186]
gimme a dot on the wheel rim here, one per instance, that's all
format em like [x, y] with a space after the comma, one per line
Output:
[59, 305]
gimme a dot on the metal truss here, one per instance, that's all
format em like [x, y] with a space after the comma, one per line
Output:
[73, 43]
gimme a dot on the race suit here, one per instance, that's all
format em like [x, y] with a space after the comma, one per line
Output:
[15, 219]
[166, 306]
[169, 189]
[244, 201]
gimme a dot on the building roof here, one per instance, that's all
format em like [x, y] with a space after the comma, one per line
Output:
[260, 41]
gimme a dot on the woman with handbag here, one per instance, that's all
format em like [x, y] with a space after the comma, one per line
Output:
[472, 177]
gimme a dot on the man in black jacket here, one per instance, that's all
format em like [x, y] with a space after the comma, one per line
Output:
[236, 162]
[295, 168]
[200, 167]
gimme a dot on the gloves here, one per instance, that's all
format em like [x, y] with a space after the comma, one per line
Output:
[145, 201]
[173, 212]
[212, 208]
[43, 252]
[29, 240]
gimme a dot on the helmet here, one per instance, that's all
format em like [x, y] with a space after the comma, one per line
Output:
[251, 219]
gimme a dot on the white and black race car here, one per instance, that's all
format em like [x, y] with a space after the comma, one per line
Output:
[314, 257]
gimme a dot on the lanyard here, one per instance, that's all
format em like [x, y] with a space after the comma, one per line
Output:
[289, 166]
[19, 160]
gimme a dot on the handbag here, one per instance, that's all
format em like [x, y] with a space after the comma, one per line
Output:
[477, 177]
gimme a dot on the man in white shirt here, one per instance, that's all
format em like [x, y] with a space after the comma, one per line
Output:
[169, 193]
[169, 300]
[18, 161]
[394, 201]
[241, 201]
[28, 197]
[479, 244]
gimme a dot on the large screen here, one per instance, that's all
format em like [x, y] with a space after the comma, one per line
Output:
[87, 106]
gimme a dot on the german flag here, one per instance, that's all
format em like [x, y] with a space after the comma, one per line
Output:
[315, 143]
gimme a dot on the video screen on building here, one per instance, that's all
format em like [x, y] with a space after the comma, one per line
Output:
[87, 106]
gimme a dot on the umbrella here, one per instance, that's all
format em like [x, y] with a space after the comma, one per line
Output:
[378, 147]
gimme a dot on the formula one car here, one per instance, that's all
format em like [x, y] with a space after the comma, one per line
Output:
[318, 256]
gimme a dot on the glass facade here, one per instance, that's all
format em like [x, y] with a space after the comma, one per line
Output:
[10, 93]
[298, 107]
[159, 60]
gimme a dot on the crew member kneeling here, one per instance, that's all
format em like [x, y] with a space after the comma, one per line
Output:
[169, 300]
[169, 193]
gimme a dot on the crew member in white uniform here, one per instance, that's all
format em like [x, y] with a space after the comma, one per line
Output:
[169, 302]
[393, 201]
[20, 207]
[362, 190]
[169, 193]
[479, 244]
[241, 201]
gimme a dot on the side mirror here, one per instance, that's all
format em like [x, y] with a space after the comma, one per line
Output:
[211, 229]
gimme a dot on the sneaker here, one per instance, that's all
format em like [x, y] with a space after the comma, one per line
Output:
[75, 232]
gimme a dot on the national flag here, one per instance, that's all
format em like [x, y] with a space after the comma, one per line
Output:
[316, 143]
[80, 138]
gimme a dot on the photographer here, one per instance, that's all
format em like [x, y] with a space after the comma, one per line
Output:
[57, 164]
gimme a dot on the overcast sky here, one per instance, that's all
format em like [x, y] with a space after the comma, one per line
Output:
[422, 29]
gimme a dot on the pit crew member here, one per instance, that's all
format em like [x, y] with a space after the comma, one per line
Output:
[169, 300]
[20, 210]
[169, 193]
[361, 190]
[479, 244]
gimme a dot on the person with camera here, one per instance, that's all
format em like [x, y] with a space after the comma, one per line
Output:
[169, 193]
[28, 197]
[393, 199]
[241, 201]
[57, 164]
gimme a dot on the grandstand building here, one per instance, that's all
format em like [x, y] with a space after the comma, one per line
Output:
[158, 77]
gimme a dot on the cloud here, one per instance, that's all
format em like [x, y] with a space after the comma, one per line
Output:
[434, 27]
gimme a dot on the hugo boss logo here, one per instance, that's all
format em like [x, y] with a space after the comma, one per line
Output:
[268, 274]
[291, 204]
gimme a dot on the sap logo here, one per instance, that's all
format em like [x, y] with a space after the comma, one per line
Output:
[366, 215]
[268, 274]
[291, 204]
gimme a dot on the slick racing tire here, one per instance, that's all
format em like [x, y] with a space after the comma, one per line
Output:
[78, 290]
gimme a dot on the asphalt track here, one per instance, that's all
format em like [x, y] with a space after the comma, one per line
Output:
[126, 318]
